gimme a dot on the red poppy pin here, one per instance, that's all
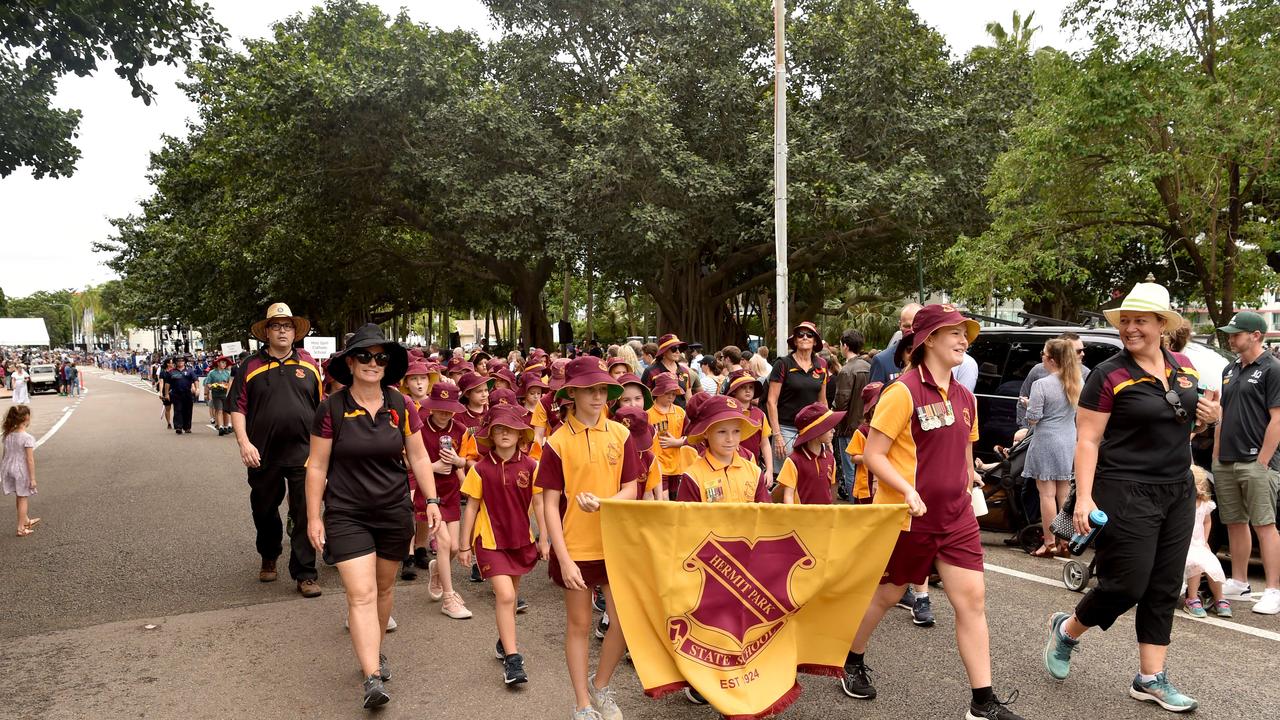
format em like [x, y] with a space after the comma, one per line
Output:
[395, 418]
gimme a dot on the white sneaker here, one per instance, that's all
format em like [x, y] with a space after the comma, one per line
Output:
[603, 700]
[346, 623]
[1270, 602]
[1235, 590]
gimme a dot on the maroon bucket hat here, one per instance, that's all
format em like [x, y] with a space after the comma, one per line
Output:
[627, 378]
[815, 419]
[557, 373]
[717, 409]
[511, 416]
[738, 378]
[588, 371]
[444, 398]
[637, 421]
[530, 380]
[473, 380]
[664, 383]
[931, 318]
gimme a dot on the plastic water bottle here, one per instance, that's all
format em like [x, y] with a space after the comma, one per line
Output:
[1079, 543]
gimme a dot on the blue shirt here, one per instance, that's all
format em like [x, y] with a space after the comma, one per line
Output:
[882, 367]
[180, 380]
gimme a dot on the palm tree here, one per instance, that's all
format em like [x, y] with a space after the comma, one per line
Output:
[1020, 39]
[85, 306]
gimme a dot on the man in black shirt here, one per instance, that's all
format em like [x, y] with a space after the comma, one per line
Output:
[273, 399]
[1244, 445]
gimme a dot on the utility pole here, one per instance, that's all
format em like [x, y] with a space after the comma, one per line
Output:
[780, 167]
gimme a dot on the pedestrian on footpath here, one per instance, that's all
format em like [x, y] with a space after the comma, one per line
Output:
[273, 399]
[1134, 423]
[18, 467]
[178, 384]
[1244, 455]
[217, 382]
[360, 438]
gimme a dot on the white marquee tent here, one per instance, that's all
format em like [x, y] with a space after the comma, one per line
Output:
[23, 332]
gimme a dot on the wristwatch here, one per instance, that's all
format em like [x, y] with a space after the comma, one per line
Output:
[433, 501]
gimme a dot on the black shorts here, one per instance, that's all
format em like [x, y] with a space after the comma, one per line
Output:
[354, 533]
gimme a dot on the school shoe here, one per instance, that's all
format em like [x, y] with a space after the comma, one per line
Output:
[1236, 590]
[1057, 651]
[178, 431]
[309, 588]
[993, 709]
[602, 626]
[375, 694]
[694, 696]
[454, 607]
[603, 700]
[922, 612]
[1161, 692]
[856, 681]
[420, 558]
[384, 669]
[522, 606]
[498, 651]
[1269, 604]
[391, 624]
[435, 589]
[407, 569]
[908, 599]
[1193, 607]
[513, 670]
[1222, 609]
[597, 599]
[475, 573]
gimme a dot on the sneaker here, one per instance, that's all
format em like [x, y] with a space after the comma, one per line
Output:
[498, 651]
[309, 588]
[694, 696]
[384, 670]
[597, 599]
[1193, 607]
[602, 699]
[602, 626]
[391, 623]
[375, 694]
[1222, 609]
[908, 601]
[586, 713]
[267, 573]
[1236, 590]
[856, 682]
[922, 612]
[1161, 692]
[408, 571]
[1269, 604]
[1057, 651]
[522, 605]
[435, 589]
[994, 709]
[177, 431]
[420, 558]
[513, 670]
[454, 607]
[475, 573]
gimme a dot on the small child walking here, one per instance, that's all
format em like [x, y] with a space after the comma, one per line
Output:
[1200, 559]
[18, 469]
[809, 472]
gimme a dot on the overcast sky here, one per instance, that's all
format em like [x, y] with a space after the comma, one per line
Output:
[48, 227]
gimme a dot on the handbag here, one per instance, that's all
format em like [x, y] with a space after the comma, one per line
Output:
[1064, 524]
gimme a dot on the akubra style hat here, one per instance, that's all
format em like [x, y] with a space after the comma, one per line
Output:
[738, 378]
[444, 398]
[627, 378]
[637, 421]
[669, 342]
[933, 317]
[814, 420]
[809, 326]
[587, 371]
[510, 416]
[871, 396]
[280, 311]
[556, 374]
[664, 383]
[530, 380]
[1245, 321]
[472, 380]
[1145, 297]
[718, 409]
[369, 336]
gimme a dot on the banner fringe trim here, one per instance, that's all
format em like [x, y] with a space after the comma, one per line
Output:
[665, 690]
[778, 706]
[824, 670]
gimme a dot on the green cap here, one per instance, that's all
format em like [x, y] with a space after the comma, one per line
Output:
[1245, 321]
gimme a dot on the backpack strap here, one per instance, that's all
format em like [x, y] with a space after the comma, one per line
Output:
[337, 402]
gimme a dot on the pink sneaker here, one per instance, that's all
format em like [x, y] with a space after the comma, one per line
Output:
[435, 589]
[454, 607]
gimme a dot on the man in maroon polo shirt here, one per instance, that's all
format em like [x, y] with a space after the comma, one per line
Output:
[273, 399]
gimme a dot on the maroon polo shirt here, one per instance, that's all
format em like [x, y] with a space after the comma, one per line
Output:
[505, 491]
[810, 475]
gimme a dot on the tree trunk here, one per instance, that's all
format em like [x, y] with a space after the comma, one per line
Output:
[526, 295]
[687, 306]
[631, 318]
[590, 334]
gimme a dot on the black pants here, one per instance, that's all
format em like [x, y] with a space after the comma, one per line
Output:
[1141, 555]
[182, 404]
[267, 489]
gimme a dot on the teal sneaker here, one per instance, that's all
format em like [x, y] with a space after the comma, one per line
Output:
[1193, 607]
[1222, 609]
[1162, 692]
[1057, 651]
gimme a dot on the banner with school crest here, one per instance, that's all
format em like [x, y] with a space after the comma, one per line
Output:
[736, 599]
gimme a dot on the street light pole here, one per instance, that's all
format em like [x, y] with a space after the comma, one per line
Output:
[780, 169]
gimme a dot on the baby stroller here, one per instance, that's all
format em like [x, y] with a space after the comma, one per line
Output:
[1076, 572]
[1012, 500]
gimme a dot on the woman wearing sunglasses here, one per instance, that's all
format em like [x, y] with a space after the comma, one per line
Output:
[359, 440]
[798, 379]
[1136, 416]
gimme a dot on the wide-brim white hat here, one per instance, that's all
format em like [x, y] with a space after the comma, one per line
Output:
[1146, 297]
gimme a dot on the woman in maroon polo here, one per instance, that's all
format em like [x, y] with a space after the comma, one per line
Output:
[921, 452]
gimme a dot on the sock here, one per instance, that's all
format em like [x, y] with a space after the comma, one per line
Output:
[924, 594]
[853, 658]
[1146, 678]
[983, 695]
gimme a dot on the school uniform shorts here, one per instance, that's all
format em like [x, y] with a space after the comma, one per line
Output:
[512, 562]
[915, 553]
[351, 534]
[593, 572]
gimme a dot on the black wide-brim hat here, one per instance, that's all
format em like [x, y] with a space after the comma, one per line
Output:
[366, 337]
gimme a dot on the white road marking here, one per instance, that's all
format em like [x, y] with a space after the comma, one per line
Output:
[1217, 622]
[56, 426]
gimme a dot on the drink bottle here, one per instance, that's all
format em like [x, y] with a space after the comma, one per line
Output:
[1079, 543]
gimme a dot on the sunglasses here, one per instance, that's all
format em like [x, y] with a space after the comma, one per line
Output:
[1175, 402]
[364, 356]
[806, 336]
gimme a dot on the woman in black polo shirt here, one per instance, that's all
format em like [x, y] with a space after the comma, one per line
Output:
[1136, 416]
[798, 379]
[359, 440]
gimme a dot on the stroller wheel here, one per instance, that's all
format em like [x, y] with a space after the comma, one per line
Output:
[1030, 538]
[1076, 575]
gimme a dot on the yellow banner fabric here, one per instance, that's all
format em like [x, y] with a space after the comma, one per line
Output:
[734, 599]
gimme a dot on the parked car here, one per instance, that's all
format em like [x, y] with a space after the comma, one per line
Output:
[43, 377]
[1005, 354]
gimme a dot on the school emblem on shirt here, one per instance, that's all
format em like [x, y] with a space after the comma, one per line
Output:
[1184, 382]
[745, 598]
[968, 417]
[299, 373]
[522, 479]
[613, 453]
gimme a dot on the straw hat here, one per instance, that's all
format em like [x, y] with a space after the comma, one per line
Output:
[280, 311]
[1146, 297]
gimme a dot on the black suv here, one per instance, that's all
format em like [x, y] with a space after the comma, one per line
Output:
[1005, 355]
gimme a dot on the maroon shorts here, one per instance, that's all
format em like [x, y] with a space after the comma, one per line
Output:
[915, 553]
[506, 562]
[450, 503]
[593, 572]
